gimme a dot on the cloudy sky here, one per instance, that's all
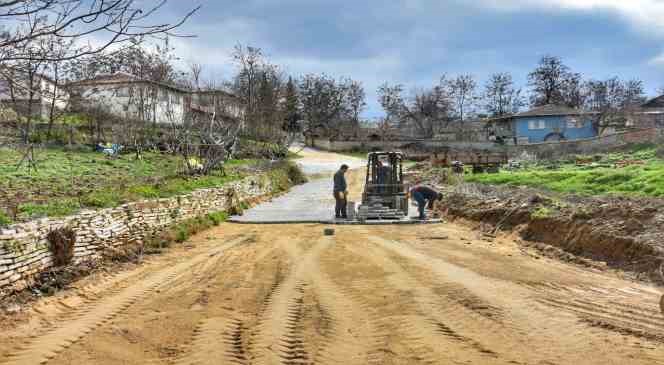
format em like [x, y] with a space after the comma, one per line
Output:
[414, 42]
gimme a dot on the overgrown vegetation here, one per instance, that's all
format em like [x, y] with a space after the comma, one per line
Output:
[637, 172]
[182, 231]
[4, 219]
[285, 175]
[68, 180]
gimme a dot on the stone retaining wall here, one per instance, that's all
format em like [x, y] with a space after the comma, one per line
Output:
[24, 249]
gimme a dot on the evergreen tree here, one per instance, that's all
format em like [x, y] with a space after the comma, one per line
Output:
[291, 108]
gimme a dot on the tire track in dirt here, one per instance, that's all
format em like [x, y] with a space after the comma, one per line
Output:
[277, 336]
[309, 319]
[223, 336]
[215, 339]
[45, 346]
[613, 309]
[351, 334]
[525, 324]
[427, 328]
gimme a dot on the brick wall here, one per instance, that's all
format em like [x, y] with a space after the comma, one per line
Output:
[24, 249]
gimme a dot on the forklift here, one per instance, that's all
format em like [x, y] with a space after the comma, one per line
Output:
[385, 195]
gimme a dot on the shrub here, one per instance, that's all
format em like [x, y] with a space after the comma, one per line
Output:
[181, 234]
[295, 173]
[102, 199]
[4, 219]
[62, 241]
[217, 218]
[541, 213]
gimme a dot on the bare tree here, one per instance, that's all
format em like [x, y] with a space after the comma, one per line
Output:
[614, 100]
[355, 101]
[462, 90]
[548, 81]
[24, 80]
[323, 101]
[115, 22]
[250, 62]
[195, 70]
[56, 69]
[573, 92]
[425, 112]
[384, 126]
[500, 95]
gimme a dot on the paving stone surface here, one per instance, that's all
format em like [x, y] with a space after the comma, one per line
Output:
[311, 202]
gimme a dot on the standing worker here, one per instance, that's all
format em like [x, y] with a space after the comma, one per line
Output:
[423, 195]
[340, 192]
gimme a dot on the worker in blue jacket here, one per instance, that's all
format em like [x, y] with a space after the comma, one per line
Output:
[424, 195]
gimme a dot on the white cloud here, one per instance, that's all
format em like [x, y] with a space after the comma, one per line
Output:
[645, 15]
[657, 60]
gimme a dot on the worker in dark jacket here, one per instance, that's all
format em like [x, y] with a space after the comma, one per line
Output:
[424, 195]
[340, 192]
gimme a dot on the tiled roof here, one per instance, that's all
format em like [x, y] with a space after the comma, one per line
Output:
[657, 102]
[551, 110]
[122, 78]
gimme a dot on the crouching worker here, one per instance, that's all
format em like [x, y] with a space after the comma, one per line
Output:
[424, 196]
[340, 192]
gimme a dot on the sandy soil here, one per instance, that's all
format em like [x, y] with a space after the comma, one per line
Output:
[287, 294]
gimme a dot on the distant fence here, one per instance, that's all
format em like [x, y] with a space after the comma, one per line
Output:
[540, 150]
[552, 150]
[410, 144]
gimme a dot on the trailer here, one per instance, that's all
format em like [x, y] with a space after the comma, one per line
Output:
[480, 161]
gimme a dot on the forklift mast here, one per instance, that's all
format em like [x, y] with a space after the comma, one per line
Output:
[384, 173]
[385, 194]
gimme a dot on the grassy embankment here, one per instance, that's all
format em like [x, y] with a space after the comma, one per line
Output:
[67, 181]
[604, 175]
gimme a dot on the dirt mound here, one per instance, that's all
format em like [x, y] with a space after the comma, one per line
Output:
[626, 233]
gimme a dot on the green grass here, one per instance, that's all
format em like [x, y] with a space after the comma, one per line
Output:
[599, 179]
[181, 232]
[66, 181]
[541, 213]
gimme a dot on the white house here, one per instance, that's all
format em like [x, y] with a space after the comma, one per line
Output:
[128, 97]
[205, 103]
[17, 91]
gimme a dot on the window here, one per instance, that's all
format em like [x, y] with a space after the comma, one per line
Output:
[571, 123]
[575, 123]
[536, 124]
[164, 96]
[175, 99]
[122, 92]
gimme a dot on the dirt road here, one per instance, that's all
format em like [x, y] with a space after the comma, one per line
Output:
[287, 294]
